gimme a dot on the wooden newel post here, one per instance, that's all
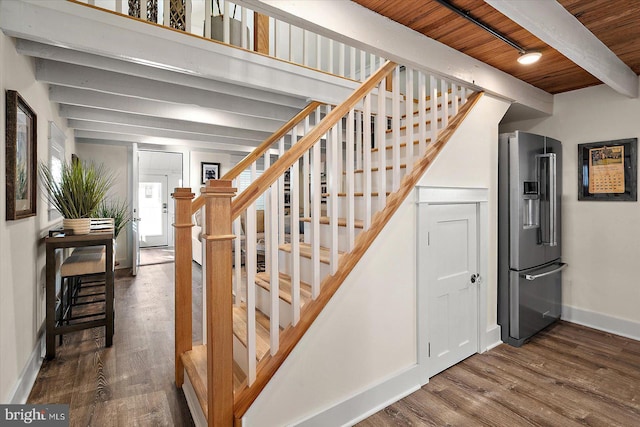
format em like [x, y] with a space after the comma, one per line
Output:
[217, 195]
[183, 299]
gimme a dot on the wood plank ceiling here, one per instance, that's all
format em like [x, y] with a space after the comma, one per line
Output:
[615, 22]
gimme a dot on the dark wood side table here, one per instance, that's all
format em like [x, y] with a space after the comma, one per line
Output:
[53, 326]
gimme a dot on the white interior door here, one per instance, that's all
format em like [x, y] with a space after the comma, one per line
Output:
[153, 210]
[452, 284]
[135, 218]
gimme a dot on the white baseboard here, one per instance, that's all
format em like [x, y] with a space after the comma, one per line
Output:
[492, 338]
[192, 401]
[603, 322]
[368, 402]
[27, 378]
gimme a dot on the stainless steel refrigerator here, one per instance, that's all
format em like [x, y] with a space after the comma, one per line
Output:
[529, 230]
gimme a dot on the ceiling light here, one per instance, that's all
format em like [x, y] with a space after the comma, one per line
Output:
[529, 58]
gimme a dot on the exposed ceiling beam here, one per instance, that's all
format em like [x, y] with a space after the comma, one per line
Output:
[165, 110]
[117, 117]
[63, 74]
[116, 137]
[553, 24]
[382, 36]
[60, 54]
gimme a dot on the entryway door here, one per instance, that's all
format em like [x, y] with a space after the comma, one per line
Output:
[153, 210]
[450, 275]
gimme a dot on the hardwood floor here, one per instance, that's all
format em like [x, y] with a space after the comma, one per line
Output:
[567, 375]
[132, 382]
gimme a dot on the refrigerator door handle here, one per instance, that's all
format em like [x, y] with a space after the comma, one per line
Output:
[561, 267]
[551, 239]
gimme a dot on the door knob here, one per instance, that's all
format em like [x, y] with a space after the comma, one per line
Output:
[474, 278]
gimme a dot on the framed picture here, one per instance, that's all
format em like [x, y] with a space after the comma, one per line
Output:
[210, 171]
[21, 157]
[608, 171]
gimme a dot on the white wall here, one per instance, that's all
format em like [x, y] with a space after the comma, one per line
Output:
[22, 254]
[367, 334]
[600, 286]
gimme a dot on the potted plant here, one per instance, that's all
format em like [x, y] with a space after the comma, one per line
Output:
[118, 210]
[76, 192]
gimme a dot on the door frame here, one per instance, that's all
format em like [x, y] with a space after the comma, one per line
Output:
[451, 195]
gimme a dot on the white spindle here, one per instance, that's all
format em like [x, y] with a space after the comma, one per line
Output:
[295, 242]
[245, 36]
[166, 15]
[316, 192]
[422, 112]
[119, 6]
[366, 188]
[271, 247]
[456, 98]
[250, 263]
[207, 19]
[363, 65]
[359, 131]
[381, 135]
[330, 68]
[188, 13]
[352, 62]
[445, 103]
[143, 11]
[318, 52]
[372, 64]
[276, 34]
[237, 245]
[349, 180]
[333, 178]
[434, 109]
[395, 121]
[281, 190]
[226, 23]
[305, 49]
[305, 176]
[341, 59]
[290, 57]
[203, 212]
[409, 118]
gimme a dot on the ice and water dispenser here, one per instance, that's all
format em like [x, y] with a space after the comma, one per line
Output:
[531, 199]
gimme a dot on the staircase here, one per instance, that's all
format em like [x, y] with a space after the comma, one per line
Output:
[333, 177]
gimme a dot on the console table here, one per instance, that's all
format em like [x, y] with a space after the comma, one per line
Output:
[56, 326]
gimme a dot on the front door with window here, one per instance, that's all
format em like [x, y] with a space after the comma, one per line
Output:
[153, 210]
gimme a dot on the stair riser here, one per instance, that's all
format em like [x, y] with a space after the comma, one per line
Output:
[325, 236]
[306, 267]
[263, 303]
[240, 354]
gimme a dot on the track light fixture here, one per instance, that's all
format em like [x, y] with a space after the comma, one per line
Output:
[525, 58]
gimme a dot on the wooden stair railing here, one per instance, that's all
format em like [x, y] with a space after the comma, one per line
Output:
[340, 140]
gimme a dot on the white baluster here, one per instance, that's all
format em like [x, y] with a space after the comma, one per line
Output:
[316, 181]
[334, 179]
[271, 248]
[119, 6]
[207, 19]
[250, 263]
[166, 15]
[203, 213]
[281, 190]
[456, 98]
[381, 136]
[359, 140]
[350, 181]
[290, 58]
[372, 64]
[318, 52]
[188, 12]
[237, 247]
[330, 70]
[366, 188]
[352, 62]
[445, 103]
[434, 109]
[305, 50]
[409, 118]
[226, 23]
[395, 120]
[143, 11]
[305, 177]
[363, 65]
[295, 241]
[341, 59]
[243, 20]
[422, 112]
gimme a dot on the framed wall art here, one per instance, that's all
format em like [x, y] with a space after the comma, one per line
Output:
[21, 157]
[608, 171]
[209, 171]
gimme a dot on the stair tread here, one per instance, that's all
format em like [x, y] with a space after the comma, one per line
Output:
[376, 168]
[402, 145]
[357, 194]
[262, 329]
[415, 125]
[263, 280]
[342, 222]
[305, 251]
[195, 364]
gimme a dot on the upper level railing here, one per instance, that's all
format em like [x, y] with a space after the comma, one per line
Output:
[236, 25]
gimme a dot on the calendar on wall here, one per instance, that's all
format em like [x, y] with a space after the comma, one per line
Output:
[607, 170]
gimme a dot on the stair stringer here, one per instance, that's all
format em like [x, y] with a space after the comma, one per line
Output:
[351, 362]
